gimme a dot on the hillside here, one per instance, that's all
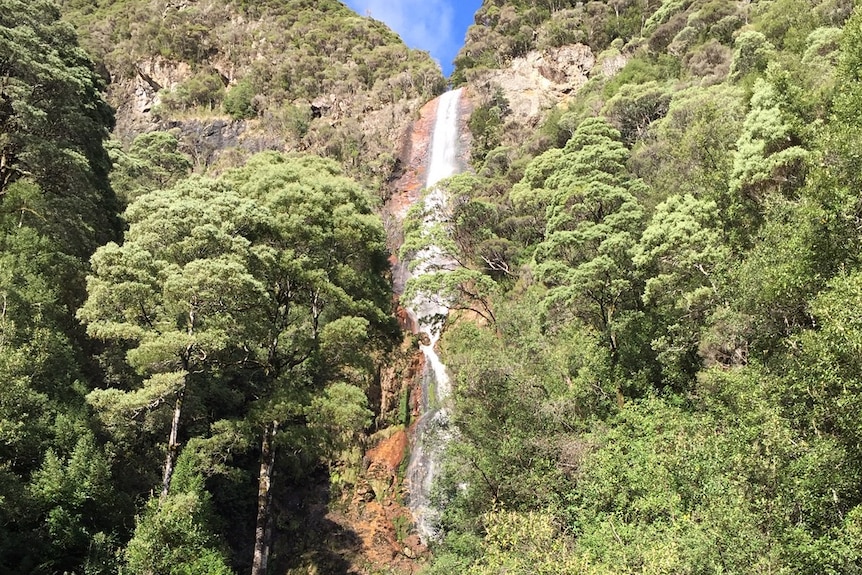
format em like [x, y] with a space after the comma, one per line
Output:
[654, 367]
[233, 77]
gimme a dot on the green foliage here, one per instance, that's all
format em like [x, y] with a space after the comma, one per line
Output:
[56, 206]
[751, 53]
[341, 411]
[175, 536]
[310, 48]
[667, 9]
[76, 499]
[204, 89]
[522, 543]
[239, 101]
[769, 156]
[152, 162]
[787, 23]
[641, 70]
[682, 253]
[506, 30]
[634, 107]
[205, 262]
[53, 121]
[841, 137]
[311, 69]
[486, 126]
[592, 222]
[690, 150]
[667, 377]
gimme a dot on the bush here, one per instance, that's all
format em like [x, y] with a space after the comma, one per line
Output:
[239, 101]
[203, 89]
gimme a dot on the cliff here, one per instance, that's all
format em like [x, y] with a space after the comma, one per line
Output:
[233, 78]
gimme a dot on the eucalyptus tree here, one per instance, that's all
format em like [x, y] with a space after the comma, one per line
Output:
[178, 294]
[53, 121]
[683, 258]
[323, 264]
[153, 161]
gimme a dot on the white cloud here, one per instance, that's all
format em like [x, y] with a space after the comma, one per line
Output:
[423, 24]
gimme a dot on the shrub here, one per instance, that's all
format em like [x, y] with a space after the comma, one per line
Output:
[239, 101]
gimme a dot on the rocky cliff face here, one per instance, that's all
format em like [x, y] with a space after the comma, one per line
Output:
[214, 140]
[539, 80]
[534, 84]
[233, 78]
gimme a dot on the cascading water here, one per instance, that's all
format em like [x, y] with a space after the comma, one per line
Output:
[432, 430]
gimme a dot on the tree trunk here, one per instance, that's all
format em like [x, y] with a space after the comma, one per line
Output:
[173, 445]
[262, 535]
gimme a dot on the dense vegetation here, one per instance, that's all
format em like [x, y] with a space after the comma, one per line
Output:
[299, 74]
[159, 384]
[669, 378]
[655, 343]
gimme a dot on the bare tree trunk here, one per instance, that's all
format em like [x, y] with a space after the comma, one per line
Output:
[173, 445]
[262, 535]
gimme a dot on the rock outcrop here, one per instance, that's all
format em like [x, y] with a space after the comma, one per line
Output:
[539, 80]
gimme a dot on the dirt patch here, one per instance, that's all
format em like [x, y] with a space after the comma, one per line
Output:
[389, 453]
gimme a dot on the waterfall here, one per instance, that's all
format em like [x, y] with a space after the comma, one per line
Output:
[432, 429]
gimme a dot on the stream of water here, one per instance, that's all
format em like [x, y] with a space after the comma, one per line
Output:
[432, 429]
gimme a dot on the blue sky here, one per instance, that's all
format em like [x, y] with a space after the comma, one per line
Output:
[437, 26]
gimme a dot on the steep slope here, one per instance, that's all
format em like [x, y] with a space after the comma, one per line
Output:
[663, 231]
[235, 77]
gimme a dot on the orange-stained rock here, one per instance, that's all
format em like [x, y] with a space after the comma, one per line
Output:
[389, 452]
[413, 160]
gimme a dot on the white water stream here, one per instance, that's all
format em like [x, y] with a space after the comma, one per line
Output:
[432, 429]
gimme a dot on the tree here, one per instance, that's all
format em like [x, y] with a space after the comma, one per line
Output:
[682, 256]
[175, 534]
[751, 54]
[690, 150]
[74, 496]
[56, 206]
[770, 155]
[841, 141]
[53, 121]
[525, 543]
[152, 162]
[239, 100]
[828, 363]
[177, 292]
[262, 279]
[323, 262]
[634, 107]
[593, 219]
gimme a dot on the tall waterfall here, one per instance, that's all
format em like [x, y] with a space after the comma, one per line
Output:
[432, 429]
